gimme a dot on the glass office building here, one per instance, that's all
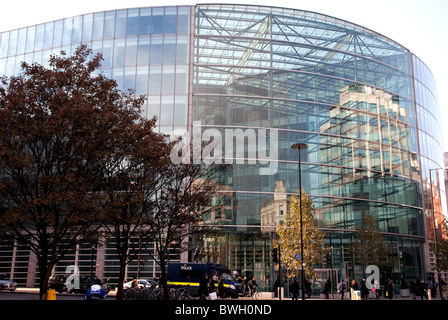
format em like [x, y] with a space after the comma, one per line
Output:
[365, 106]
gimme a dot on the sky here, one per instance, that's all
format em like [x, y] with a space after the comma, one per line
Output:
[419, 25]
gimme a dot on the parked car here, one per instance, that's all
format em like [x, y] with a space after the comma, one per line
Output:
[6, 284]
[142, 283]
[57, 282]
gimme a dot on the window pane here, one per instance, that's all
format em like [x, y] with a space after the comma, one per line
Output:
[12, 43]
[156, 50]
[169, 24]
[132, 24]
[166, 111]
[183, 20]
[169, 49]
[155, 76]
[145, 21]
[98, 22]
[21, 41]
[48, 40]
[57, 38]
[67, 34]
[77, 29]
[87, 28]
[131, 51]
[120, 24]
[109, 23]
[143, 51]
[29, 39]
[119, 49]
[107, 53]
[157, 21]
[39, 37]
[182, 49]
[141, 85]
[168, 80]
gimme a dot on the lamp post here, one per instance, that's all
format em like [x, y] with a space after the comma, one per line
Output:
[435, 234]
[300, 146]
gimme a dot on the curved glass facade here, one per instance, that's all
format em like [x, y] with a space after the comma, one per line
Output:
[365, 106]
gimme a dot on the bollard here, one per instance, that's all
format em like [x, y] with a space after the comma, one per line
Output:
[51, 294]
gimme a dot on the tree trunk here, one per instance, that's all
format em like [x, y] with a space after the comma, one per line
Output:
[121, 278]
[163, 279]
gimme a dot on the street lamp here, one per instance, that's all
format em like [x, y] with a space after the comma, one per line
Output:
[300, 146]
[435, 235]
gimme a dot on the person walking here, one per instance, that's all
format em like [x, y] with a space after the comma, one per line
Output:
[341, 288]
[294, 289]
[308, 288]
[220, 290]
[390, 290]
[413, 288]
[327, 288]
[364, 290]
[423, 288]
[203, 287]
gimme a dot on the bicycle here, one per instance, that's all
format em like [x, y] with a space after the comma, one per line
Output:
[252, 293]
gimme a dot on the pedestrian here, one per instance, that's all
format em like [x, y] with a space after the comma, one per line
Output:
[423, 288]
[203, 287]
[220, 290]
[294, 289]
[341, 288]
[327, 288]
[354, 285]
[308, 287]
[413, 288]
[364, 290]
[390, 290]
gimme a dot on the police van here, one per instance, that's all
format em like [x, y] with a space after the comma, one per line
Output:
[189, 274]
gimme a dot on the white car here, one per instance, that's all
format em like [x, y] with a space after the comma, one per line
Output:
[142, 283]
[5, 284]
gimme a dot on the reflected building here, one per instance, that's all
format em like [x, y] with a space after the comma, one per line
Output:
[365, 105]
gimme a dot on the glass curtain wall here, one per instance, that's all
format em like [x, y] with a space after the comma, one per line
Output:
[345, 91]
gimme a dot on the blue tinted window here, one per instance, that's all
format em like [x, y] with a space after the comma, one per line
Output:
[143, 51]
[67, 34]
[98, 22]
[183, 20]
[169, 24]
[157, 21]
[57, 38]
[4, 45]
[109, 23]
[156, 50]
[39, 37]
[48, 40]
[21, 41]
[145, 21]
[87, 28]
[77, 29]
[30, 39]
[169, 49]
[120, 24]
[12, 42]
[132, 22]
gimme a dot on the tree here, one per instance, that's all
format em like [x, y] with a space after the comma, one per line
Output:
[289, 237]
[130, 182]
[181, 200]
[61, 126]
[369, 244]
